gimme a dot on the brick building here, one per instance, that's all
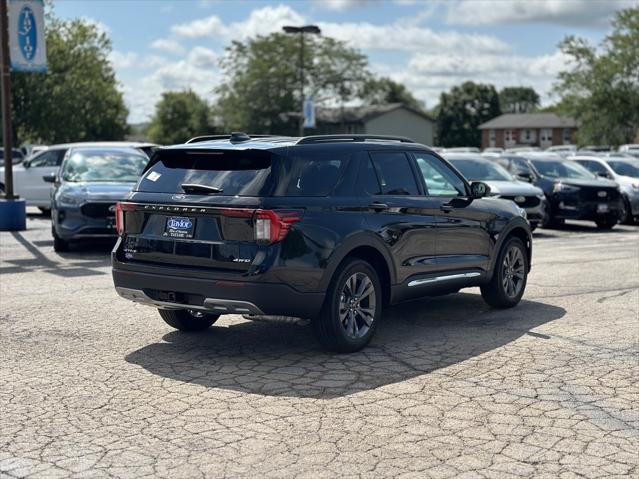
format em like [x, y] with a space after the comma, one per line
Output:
[528, 129]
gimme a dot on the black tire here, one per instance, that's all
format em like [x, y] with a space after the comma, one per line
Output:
[511, 269]
[187, 320]
[348, 321]
[626, 217]
[533, 226]
[59, 245]
[45, 211]
[607, 223]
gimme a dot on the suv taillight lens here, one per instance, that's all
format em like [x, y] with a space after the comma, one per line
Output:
[273, 225]
[119, 218]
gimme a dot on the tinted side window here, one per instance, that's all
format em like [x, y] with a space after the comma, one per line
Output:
[594, 166]
[395, 174]
[439, 179]
[46, 158]
[367, 182]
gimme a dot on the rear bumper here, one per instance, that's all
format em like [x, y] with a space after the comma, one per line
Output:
[215, 296]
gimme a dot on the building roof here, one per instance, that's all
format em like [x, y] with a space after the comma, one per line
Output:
[361, 114]
[529, 120]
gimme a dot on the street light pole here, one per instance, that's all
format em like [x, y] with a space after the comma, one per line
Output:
[302, 30]
[7, 134]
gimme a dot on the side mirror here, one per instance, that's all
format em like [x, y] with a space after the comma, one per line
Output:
[26, 164]
[50, 178]
[602, 174]
[525, 177]
[479, 189]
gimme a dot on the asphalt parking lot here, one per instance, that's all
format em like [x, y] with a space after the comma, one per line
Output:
[92, 385]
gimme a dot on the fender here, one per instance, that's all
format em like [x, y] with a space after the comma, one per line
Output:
[349, 244]
[517, 222]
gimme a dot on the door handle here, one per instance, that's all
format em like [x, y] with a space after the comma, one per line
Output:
[446, 208]
[378, 206]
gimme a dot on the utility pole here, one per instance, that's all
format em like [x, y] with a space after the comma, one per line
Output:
[7, 130]
[302, 30]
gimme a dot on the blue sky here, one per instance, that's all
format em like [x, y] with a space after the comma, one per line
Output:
[161, 45]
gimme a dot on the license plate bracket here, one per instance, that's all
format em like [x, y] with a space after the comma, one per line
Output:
[181, 227]
[602, 208]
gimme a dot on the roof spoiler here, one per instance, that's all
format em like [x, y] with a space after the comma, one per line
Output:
[235, 137]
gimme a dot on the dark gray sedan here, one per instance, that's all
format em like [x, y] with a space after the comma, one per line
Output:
[87, 186]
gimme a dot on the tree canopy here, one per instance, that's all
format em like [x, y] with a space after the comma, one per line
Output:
[518, 99]
[179, 116]
[262, 86]
[462, 110]
[378, 91]
[601, 89]
[77, 99]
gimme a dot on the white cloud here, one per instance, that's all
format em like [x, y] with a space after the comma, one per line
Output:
[343, 5]
[400, 37]
[261, 21]
[563, 12]
[122, 60]
[168, 45]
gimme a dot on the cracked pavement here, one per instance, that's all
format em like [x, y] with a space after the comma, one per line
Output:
[92, 385]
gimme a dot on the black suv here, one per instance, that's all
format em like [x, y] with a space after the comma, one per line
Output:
[330, 228]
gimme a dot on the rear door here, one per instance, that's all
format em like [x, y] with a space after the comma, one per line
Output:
[462, 238]
[398, 212]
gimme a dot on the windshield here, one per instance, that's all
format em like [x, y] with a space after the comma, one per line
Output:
[562, 169]
[482, 170]
[624, 168]
[104, 165]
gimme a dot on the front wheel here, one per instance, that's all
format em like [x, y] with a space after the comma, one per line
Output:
[509, 278]
[627, 217]
[607, 223]
[188, 319]
[352, 308]
[59, 245]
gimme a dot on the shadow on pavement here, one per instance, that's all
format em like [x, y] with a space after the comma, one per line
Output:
[283, 359]
[41, 262]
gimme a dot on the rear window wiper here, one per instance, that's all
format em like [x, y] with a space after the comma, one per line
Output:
[195, 188]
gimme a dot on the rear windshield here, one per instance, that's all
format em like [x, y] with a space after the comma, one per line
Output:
[562, 169]
[241, 173]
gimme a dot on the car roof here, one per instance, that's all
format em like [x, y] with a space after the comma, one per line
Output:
[466, 156]
[132, 144]
[340, 142]
[105, 149]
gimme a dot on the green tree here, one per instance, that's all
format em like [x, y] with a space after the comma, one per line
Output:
[262, 86]
[378, 91]
[601, 90]
[462, 110]
[518, 99]
[179, 116]
[77, 99]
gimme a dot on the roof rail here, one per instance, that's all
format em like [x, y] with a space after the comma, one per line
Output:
[234, 135]
[307, 140]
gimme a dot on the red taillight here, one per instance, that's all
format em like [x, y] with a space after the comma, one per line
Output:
[119, 218]
[273, 225]
[120, 208]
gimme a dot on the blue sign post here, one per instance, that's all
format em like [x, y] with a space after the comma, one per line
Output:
[22, 49]
[309, 113]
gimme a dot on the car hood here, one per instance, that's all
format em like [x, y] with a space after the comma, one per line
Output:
[513, 188]
[594, 183]
[96, 191]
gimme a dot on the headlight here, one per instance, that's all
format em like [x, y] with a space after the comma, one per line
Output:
[67, 199]
[635, 186]
[564, 188]
[522, 212]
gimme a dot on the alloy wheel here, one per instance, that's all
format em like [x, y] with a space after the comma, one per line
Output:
[513, 272]
[357, 305]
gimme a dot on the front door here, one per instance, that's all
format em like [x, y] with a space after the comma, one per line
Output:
[463, 242]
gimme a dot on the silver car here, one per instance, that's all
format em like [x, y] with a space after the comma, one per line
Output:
[86, 189]
[503, 185]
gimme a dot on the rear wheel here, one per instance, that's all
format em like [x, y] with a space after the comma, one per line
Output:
[352, 309]
[188, 319]
[509, 279]
[607, 223]
[45, 211]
